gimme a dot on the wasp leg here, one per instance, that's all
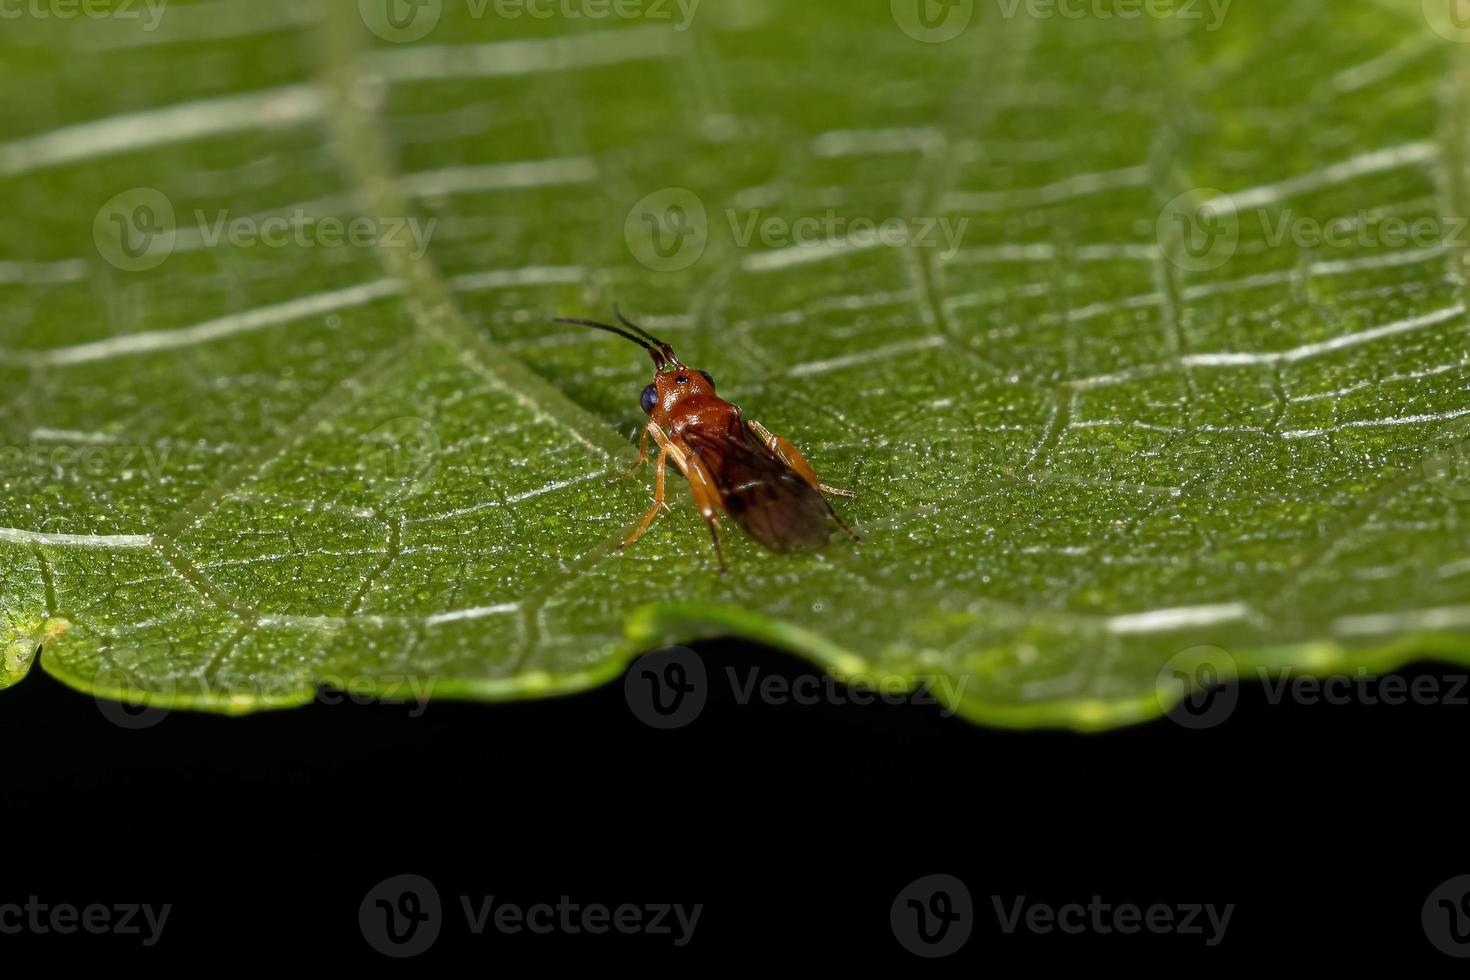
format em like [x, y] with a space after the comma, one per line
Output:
[793, 458]
[706, 498]
[633, 467]
[843, 524]
[658, 500]
[701, 486]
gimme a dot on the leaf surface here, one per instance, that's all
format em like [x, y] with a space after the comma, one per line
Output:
[1117, 424]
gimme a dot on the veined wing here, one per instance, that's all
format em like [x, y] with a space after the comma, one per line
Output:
[760, 492]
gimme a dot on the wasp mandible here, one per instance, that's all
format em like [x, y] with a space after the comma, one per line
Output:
[733, 464]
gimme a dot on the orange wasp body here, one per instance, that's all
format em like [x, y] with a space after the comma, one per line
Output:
[733, 465]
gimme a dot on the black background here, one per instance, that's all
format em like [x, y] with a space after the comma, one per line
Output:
[795, 825]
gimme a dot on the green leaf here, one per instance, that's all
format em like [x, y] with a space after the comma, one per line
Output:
[1129, 428]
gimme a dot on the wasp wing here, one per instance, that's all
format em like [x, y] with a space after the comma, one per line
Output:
[759, 491]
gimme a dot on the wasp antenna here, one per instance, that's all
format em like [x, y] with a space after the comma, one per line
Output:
[660, 354]
[602, 326]
[662, 345]
[618, 313]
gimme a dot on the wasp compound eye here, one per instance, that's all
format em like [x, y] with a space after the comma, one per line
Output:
[650, 399]
[708, 377]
